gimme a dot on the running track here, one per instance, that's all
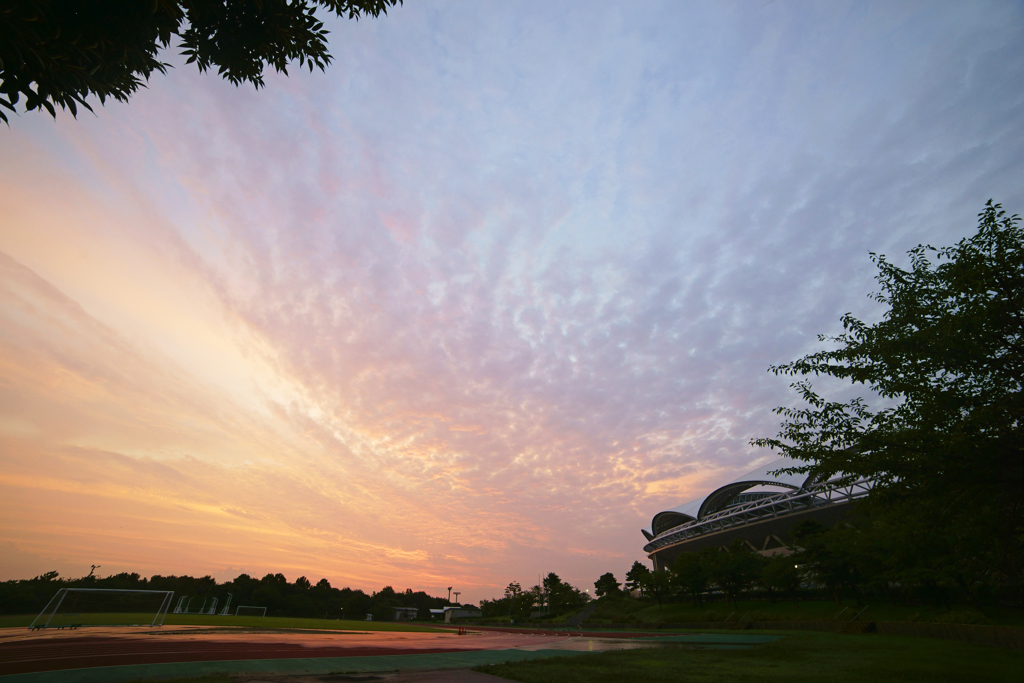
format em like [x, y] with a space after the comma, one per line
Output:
[31, 652]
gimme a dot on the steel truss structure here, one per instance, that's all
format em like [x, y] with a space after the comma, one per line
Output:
[777, 505]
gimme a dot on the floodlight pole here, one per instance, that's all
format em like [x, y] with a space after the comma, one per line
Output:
[457, 594]
[449, 593]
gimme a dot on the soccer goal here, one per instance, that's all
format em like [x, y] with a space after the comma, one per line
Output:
[77, 607]
[250, 611]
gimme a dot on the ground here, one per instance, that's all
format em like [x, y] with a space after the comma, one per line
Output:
[404, 654]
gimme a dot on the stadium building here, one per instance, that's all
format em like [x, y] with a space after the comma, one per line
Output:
[760, 508]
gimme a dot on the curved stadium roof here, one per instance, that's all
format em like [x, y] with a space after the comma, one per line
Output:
[721, 497]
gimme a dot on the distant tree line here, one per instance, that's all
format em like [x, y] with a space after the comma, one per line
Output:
[300, 598]
[552, 597]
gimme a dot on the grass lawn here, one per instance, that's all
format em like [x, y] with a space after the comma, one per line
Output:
[254, 622]
[291, 622]
[644, 612]
[810, 657]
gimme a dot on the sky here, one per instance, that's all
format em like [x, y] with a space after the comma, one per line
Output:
[480, 300]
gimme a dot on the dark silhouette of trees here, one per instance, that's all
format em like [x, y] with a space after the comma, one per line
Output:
[562, 597]
[781, 575]
[638, 578]
[56, 53]
[273, 591]
[945, 448]
[606, 585]
[733, 569]
[691, 575]
[557, 596]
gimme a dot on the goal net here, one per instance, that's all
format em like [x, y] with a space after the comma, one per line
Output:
[250, 611]
[77, 607]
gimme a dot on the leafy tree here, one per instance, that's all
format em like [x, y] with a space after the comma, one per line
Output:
[58, 52]
[271, 593]
[831, 556]
[733, 569]
[516, 598]
[562, 597]
[781, 574]
[535, 597]
[513, 601]
[907, 550]
[321, 595]
[383, 602]
[513, 590]
[552, 586]
[947, 363]
[241, 588]
[691, 575]
[606, 585]
[637, 578]
[30, 596]
[658, 584]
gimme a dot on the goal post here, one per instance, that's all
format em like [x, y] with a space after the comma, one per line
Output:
[78, 607]
[250, 611]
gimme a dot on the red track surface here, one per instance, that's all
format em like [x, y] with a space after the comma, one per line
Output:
[23, 652]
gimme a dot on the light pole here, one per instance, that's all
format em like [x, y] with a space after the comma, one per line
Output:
[449, 593]
[457, 597]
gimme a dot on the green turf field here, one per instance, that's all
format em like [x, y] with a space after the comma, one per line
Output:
[292, 622]
[213, 620]
[641, 612]
[797, 658]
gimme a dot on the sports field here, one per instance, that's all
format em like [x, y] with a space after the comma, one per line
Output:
[243, 622]
[244, 653]
[796, 658]
[113, 655]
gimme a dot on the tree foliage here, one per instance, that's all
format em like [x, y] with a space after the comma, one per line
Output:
[562, 597]
[691, 575]
[273, 591]
[606, 585]
[831, 557]
[733, 569]
[780, 575]
[638, 578]
[552, 593]
[59, 52]
[946, 363]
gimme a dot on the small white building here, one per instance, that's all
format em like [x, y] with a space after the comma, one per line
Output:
[405, 613]
[453, 612]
